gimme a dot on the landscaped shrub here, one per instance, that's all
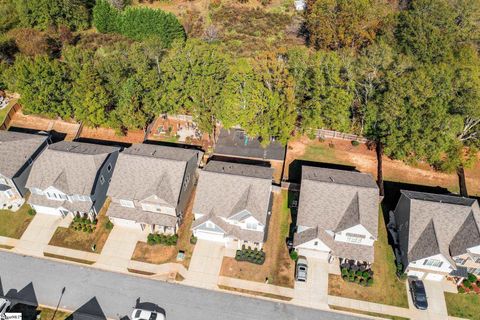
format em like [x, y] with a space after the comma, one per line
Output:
[294, 255]
[253, 256]
[369, 281]
[345, 277]
[31, 212]
[167, 240]
[83, 224]
[472, 278]
[467, 284]
[461, 290]
[344, 271]
[109, 225]
[355, 143]
[193, 239]
[478, 283]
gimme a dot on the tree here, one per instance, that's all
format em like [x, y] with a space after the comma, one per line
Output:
[260, 94]
[428, 30]
[324, 93]
[105, 17]
[43, 84]
[8, 16]
[41, 14]
[334, 24]
[193, 75]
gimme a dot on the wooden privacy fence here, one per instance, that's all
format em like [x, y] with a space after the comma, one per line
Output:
[9, 116]
[330, 134]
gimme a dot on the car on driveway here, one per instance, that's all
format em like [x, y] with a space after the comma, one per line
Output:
[419, 295]
[302, 269]
[4, 306]
[140, 314]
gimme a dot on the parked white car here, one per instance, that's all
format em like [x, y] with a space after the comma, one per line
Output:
[140, 314]
[4, 306]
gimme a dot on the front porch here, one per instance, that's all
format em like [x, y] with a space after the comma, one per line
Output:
[11, 200]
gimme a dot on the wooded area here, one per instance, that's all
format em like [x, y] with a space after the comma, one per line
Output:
[406, 76]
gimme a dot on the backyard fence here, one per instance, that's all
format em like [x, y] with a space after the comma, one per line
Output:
[330, 134]
[9, 116]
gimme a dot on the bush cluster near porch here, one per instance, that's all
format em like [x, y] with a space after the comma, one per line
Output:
[14, 224]
[470, 285]
[84, 224]
[386, 289]
[253, 256]
[80, 240]
[465, 306]
[364, 278]
[158, 253]
[278, 267]
[157, 238]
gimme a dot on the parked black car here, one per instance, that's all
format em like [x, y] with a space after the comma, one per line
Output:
[419, 296]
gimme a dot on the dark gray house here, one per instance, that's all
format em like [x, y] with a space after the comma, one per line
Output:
[71, 177]
[18, 151]
[151, 186]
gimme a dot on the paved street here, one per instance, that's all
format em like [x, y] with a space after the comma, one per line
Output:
[116, 293]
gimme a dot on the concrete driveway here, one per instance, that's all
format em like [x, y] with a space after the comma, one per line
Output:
[119, 248]
[314, 292]
[437, 308]
[39, 232]
[205, 265]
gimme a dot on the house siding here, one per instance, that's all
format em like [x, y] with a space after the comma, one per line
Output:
[191, 172]
[100, 190]
[402, 217]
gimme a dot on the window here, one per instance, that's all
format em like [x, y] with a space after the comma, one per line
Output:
[316, 243]
[3, 181]
[477, 260]
[63, 196]
[36, 191]
[354, 239]
[109, 167]
[433, 263]
[460, 261]
[252, 225]
[127, 203]
[102, 180]
[210, 225]
[9, 193]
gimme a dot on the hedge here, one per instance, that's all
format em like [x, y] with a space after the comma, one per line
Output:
[167, 240]
[83, 224]
[253, 256]
[363, 278]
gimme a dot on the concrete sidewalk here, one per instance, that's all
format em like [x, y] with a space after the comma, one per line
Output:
[119, 248]
[39, 232]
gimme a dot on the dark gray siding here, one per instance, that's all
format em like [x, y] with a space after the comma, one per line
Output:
[402, 218]
[100, 190]
[190, 173]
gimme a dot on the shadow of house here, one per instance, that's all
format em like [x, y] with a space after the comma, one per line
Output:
[255, 162]
[295, 168]
[53, 135]
[174, 144]
[91, 310]
[104, 142]
[25, 296]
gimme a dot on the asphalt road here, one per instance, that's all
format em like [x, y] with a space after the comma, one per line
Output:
[93, 291]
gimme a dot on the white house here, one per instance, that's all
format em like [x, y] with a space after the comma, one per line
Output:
[151, 187]
[18, 151]
[337, 215]
[71, 178]
[438, 235]
[232, 204]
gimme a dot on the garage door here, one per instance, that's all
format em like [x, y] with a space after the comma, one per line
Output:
[434, 277]
[313, 253]
[210, 236]
[47, 210]
[417, 274]
[125, 223]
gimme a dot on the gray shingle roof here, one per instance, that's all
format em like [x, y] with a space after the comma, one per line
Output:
[16, 148]
[337, 205]
[222, 186]
[437, 224]
[145, 170]
[141, 216]
[71, 167]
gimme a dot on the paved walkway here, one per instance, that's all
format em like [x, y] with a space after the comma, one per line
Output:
[205, 265]
[39, 232]
[119, 248]
[314, 292]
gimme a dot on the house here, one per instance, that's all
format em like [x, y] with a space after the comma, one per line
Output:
[438, 235]
[151, 187]
[233, 204]
[71, 177]
[337, 217]
[17, 153]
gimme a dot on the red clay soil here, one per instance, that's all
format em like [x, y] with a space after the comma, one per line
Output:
[343, 152]
[132, 136]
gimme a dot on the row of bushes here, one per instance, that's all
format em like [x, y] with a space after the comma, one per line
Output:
[364, 278]
[167, 240]
[469, 283]
[137, 23]
[253, 256]
[89, 228]
[84, 220]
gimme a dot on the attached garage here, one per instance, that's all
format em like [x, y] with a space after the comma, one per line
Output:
[125, 223]
[434, 277]
[46, 210]
[414, 273]
[309, 253]
[210, 236]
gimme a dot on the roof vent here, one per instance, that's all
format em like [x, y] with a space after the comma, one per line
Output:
[331, 179]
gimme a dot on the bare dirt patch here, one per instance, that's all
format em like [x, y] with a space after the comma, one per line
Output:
[278, 267]
[132, 136]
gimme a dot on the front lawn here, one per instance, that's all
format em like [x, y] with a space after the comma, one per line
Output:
[463, 305]
[83, 240]
[386, 288]
[13, 224]
[159, 253]
[278, 268]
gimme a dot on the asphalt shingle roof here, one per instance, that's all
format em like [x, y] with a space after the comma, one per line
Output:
[16, 148]
[438, 224]
[145, 170]
[71, 167]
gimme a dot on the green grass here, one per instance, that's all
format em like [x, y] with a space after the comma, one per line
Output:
[463, 305]
[322, 153]
[4, 111]
[13, 224]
